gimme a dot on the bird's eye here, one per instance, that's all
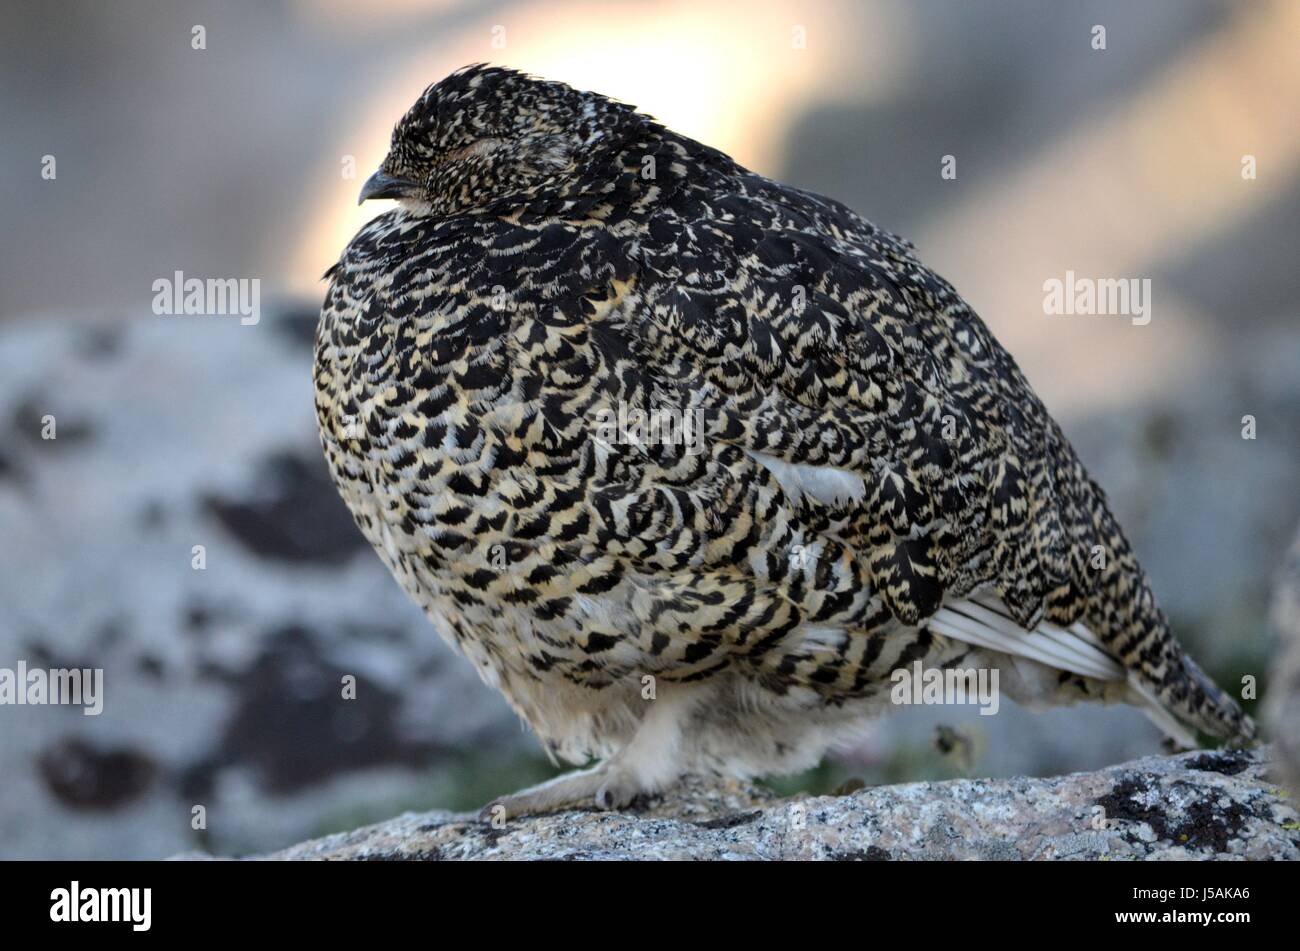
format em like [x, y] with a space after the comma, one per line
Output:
[478, 147]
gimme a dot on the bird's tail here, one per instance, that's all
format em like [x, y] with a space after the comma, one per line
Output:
[1165, 678]
[1121, 609]
[1206, 706]
[1198, 704]
[1157, 675]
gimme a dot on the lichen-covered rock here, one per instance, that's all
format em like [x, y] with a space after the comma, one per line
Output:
[1195, 806]
[1283, 708]
[179, 531]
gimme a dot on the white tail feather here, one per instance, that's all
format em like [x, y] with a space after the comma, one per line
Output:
[1048, 644]
[983, 620]
[1165, 722]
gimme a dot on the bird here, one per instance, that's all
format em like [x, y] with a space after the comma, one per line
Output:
[691, 464]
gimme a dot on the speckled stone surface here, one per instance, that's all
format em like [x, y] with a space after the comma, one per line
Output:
[1283, 704]
[1203, 805]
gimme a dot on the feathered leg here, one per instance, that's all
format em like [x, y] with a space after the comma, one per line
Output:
[648, 763]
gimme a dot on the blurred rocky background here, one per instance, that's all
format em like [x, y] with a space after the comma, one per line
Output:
[243, 159]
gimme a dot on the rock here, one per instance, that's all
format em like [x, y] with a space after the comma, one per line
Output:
[223, 680]
[1283, 708]
[1201, 805]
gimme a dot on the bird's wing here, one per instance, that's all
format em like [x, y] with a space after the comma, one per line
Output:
[822, 343]
[814, 339]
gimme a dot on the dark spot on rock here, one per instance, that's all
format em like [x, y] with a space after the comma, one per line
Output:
[151, 666]
[42, 655]
[376, 634]
[294, 514]
[152, 516]
[416, 855]
[491, 834]
[1210, 825]
[9, 469]
[292, 725]
[1204, 825]
[1122, 804]
[83, 776]
[212, 672]
[872, 853]
[731, 821]
[29, 420]
[100, 341]
[197, 617]
[1227, 762]
[109, 635]
[298, 323]
[1161, 433]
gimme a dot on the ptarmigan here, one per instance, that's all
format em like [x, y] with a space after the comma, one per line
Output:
[688, 462]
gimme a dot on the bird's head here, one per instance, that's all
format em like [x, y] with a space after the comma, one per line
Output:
[487, 137]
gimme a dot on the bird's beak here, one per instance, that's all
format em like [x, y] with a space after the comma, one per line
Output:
[382, 185]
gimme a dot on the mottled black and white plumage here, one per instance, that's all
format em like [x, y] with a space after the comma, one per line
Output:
[872, 483]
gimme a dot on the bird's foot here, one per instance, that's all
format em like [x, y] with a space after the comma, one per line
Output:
[618, 790]
[647, 763]
[607, 786]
